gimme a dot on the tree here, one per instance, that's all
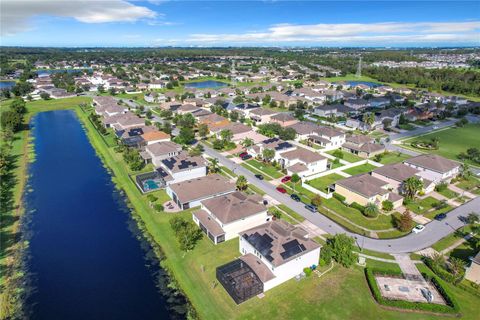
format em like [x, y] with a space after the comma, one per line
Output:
[10, 120]
[234, 116]
[295, 179]
[465, 171]
[186, 232]
[287, 134]
[214, 166]
[4, 160]
[196, 151]
[342, 249]
[226, 135]
[368, 118]
[18, 105]
[406, 222]
[371, 210]
[387, 205]
[101, 88]
[473, 218]
[203, 130]
[411, 186]
[247, 142]
[268, 154]
[317, 201]
[186, 136]
[338, 154]
[456, 267]
[45, 96]
[242, 183]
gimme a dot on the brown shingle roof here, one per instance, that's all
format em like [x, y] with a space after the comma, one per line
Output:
[303, 155]
[433, 162]
[364, 184]
[213, 227]
[260, 269]
[398, 171]
[233, 206]
[200, 188]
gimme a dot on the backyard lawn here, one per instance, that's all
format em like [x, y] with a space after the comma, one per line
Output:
[347, 156]
[322, 183]
[265, 167]
[452, 141]
[363, 168]
[393, 157]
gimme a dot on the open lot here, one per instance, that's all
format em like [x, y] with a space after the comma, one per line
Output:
[452, 141]
[322, 183]
[347, 156]
[363, 168]
[393, 157]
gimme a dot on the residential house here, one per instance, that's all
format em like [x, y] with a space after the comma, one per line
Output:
[302, 162]
[363, 146]
[262, 115]
[224, 217]
[356, 103]
[276, 144]
[189, 193]
[434, 168]
[181, 167]
[364, 189]
[396, 174]
[284, 119]
[156, 152]
[272, 254]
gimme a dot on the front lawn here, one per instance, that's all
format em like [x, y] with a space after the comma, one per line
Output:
[449, 240]
[448, 193]
[452, 141]
[322, 183]
[393, 157]
[265, 167]
[469, 184]
[421, 206]
[347, 156]
[363, 168]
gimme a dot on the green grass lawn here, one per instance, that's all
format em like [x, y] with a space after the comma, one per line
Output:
[448, 193]
[322, 183]
[422, 206]
[452, 141]
[471, 183]
[363, 168]
[451, 238]
[266, 168]
[375, 254]
[393, 157]
[347, 156]
[407, 126]
[382, 222]
[291, 213]
[255, 171]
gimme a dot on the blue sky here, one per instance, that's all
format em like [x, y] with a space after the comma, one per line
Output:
[239, 23]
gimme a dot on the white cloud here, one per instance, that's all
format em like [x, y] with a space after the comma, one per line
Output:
[16, 15]
[398, 32]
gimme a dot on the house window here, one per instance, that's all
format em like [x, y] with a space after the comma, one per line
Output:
[221, 238]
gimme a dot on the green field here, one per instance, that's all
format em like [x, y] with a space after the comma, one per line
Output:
[266, 168]
[452, 141]
[363, 168]
[393, 157]
[347, 156]
[322, 183]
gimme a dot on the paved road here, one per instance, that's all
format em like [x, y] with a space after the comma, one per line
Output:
[433, 232]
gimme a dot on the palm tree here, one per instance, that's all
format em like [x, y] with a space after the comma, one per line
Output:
[268, 154]
[214, 166]
[247, 142]
[371, 210]
[242, 183]
[411, 186]
[368, 118]
[465, 172]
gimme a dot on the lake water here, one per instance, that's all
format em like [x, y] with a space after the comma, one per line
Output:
[206, 84]
[44, 72]
[7, 84]
[85, 259]
[367, 83]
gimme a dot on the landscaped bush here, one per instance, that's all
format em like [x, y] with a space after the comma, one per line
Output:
[158, 207]
[387, 205]
[451, 307]
[339, 197]
[441, 187]
[442, 272]
[357, 206]
[308, 271]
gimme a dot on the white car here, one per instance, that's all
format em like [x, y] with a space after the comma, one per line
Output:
[419, 228]
[435, 127]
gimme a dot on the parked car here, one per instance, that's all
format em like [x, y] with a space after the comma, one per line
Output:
[246, 157]
[295, 197]
[259, 176]
[286, 179]
[440, 216]
[243, 154]
[311, 207]
[281, 190]
[418, 228]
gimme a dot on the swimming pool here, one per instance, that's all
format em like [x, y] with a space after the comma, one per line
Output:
[150, 185]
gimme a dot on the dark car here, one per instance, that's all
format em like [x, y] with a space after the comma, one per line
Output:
[259, 176]
[295, 197]
[246, 157]
[440, 216]
[311, 207]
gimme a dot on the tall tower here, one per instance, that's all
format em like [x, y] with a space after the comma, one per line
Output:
[359, 68]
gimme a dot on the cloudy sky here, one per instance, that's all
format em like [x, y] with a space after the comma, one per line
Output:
[239, 23]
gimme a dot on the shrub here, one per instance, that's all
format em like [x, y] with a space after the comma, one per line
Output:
[357, 206]
[308, 271]
[441, 186]
[451, 307]
[158, 207]
[387, 205]
[371, 210]
[339, 197]
[337, 153]
[317, 201]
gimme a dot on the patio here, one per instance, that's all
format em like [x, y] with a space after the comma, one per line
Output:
[409, 290]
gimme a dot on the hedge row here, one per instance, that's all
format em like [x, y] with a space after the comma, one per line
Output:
[442, 273]
[339, 197]
[451, 307]
[358, 206]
